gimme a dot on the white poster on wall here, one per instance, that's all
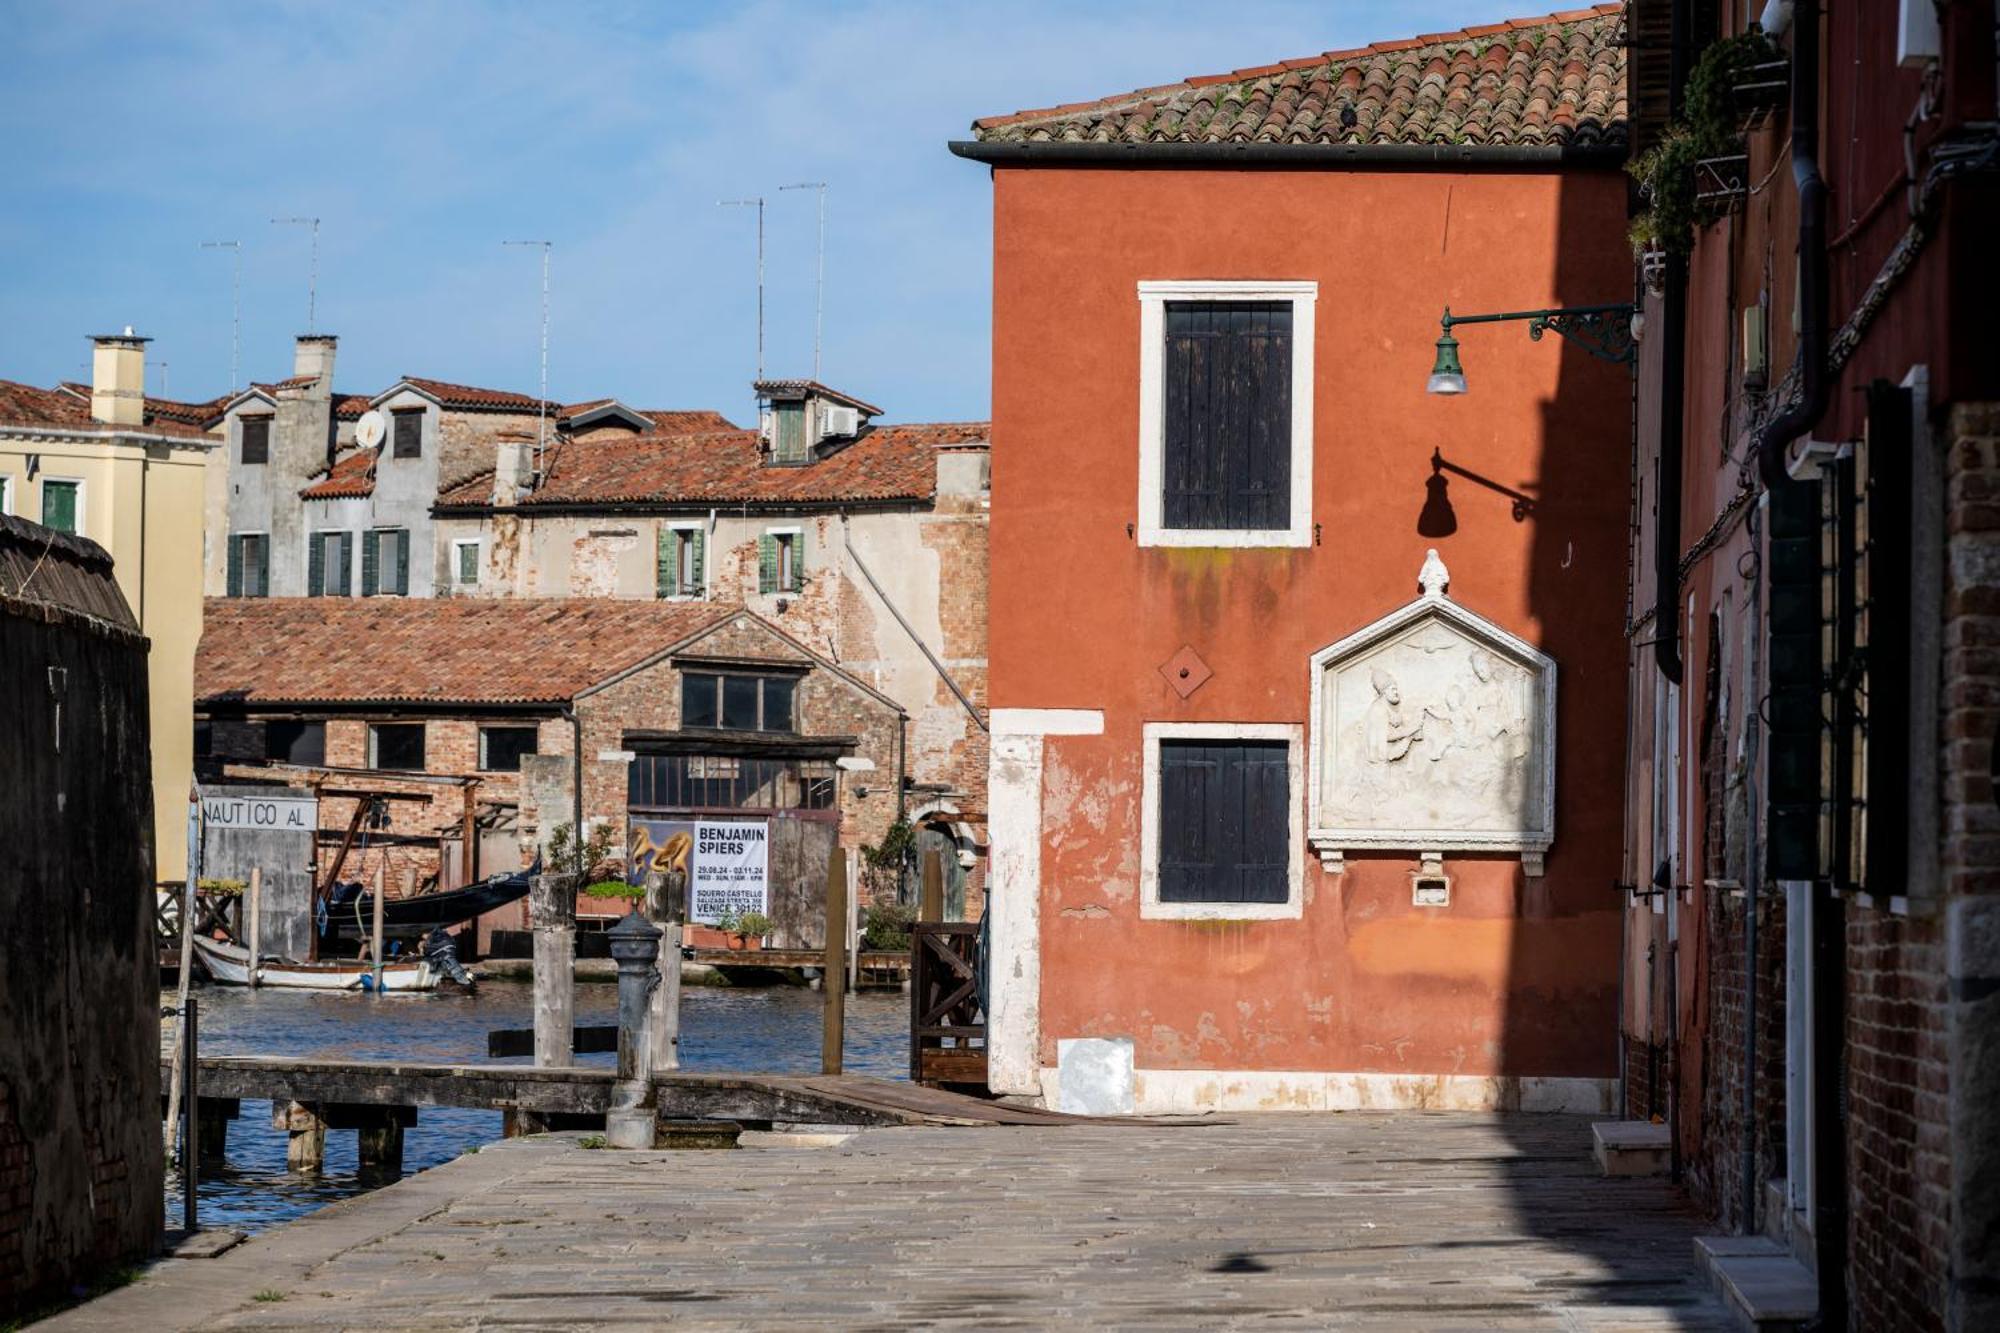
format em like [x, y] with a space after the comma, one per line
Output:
[730, 873]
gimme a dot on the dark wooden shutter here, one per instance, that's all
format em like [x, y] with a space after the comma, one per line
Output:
[1224, 822]
[409, 428]
[1891, 747]
[262, 545]
[371, 562]
[256, 439]
[402, 562]
[343, 584]
[1227, 415]
[236, 566]
[316, 565]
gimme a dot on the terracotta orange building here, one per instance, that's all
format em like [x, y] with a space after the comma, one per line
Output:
[1307, 685]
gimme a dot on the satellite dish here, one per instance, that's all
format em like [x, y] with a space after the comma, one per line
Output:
[368, 431]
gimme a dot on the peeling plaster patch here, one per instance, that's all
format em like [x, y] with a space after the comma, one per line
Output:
[1087, 912]
[1074, 802]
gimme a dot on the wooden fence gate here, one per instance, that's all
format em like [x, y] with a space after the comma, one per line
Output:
[947, 1007]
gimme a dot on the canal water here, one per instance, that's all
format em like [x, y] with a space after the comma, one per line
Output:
[773, 1030]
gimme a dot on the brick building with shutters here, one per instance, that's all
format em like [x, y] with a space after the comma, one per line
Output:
[864, 541]
[1306, 685]
[1813, 944]
[466, 716]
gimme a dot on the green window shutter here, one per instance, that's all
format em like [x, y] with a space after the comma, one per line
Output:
[663, 562]
[798, 561]
[403, 563]
[316, 565]
[344, 583]
[767, 563]
[59, 505]
[235, 566]
[696, 577]
[371, 560]
[264, 565]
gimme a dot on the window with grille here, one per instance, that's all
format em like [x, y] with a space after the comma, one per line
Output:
[730, 782]
[256, 444]
[734, 701]
[407, 440]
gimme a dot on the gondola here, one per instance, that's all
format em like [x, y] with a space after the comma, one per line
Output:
[350, 907]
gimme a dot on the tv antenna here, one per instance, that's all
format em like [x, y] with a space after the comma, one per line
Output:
[312, 282]
[542, 419]
[235, 303]
[819, 267]
[758, 201]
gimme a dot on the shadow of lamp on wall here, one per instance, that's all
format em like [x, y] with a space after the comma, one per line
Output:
[1439, 519]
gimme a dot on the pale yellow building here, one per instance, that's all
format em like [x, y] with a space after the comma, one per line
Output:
[104, 462]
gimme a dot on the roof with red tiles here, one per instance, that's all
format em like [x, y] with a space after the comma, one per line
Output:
[402, 650]
[1557, 81]
[351, 476]
[686, 421]
[471, 398]
[727, 467]
[346, 406]
[65, 409]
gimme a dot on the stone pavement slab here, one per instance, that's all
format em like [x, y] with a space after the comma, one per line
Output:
[1389, 1220]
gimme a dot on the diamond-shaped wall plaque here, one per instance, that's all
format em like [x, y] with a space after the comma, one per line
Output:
[1185, 671]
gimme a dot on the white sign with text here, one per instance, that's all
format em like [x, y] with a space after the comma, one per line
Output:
[261, 814]
[730, 870]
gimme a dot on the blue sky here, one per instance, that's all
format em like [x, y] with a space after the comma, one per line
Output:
[424, 135]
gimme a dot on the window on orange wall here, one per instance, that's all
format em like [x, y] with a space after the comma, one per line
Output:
[1225, 808]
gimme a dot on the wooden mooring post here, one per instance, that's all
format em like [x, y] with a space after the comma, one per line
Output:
[251, 936]
[930, 903]
[552, 914]
[833, 980]
[375, 930]
[663, 1014]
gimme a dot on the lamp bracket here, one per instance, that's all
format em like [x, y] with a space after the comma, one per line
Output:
[1604, 331]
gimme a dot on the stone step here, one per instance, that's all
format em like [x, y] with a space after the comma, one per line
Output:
[1767, 1289]
[1630, 1147]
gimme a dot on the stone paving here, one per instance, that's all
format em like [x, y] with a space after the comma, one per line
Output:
[1410, 1220]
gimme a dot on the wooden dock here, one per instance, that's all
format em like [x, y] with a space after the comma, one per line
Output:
[381, 1098]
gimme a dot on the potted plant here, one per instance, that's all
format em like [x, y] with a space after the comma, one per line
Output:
[729, 923]
[617, 889]
[753, 930]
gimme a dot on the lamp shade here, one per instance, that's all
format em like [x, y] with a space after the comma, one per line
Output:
[1447, 376]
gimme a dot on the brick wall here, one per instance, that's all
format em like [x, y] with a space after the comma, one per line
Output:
[1714, 1161]
[1899, 1168]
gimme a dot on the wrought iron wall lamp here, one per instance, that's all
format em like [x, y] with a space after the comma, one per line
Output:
[1605, 331]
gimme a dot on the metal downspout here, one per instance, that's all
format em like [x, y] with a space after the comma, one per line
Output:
[915, 638]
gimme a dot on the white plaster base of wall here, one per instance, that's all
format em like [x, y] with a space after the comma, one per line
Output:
[1195, 1091]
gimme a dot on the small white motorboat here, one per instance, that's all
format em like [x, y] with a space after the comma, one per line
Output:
[229, 964]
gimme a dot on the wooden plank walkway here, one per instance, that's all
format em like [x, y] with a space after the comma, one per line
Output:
[843, 1099]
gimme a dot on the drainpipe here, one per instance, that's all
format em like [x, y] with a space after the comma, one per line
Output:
[1804, 411]
[1753, 876]
[1673, 384]
[576, 772]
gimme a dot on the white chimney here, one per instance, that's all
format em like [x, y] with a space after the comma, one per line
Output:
[513, 465]
[118, 378]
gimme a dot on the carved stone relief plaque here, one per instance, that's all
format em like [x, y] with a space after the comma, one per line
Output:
[1433, 731]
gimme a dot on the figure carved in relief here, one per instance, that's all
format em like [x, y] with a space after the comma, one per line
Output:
[1389, 737]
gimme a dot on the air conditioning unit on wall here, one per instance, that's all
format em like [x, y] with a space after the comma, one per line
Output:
[842, 422]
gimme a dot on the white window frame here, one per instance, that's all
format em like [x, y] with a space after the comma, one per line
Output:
[1294, 736]
[82, 501]
[237, 537]
[699, 594]
[7, 485]
[458, 546]
[799, 571]
[1153, 298]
